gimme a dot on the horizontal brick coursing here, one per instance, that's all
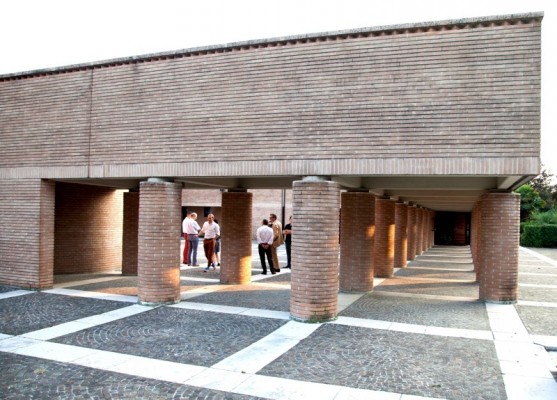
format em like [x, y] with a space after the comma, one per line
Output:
[445, 95]
[236, 228]
[27, 234]
[357, 233]
[498, 246]
[159, 242]
[315, 250]
[88, 229]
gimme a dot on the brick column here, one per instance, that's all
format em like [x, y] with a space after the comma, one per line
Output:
[499, 244]
[412, 232]
[235, 227]
[431, 229]
[357, 231]
[419, 230]
[425, 219]
[384, 244]
[401, 235]
[315, 250]
[130, 233]
[159, 242]
[476, 238]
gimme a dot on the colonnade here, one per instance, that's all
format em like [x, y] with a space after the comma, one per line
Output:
[374, 236]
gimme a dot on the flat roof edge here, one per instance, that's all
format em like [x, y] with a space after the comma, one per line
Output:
[272, 42]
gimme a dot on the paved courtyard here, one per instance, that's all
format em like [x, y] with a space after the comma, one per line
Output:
[422, 334]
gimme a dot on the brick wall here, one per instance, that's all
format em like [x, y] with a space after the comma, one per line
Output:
[88, 229]
[27, 234]
[444, 93]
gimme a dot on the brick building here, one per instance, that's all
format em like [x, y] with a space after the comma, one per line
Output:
[397, 126]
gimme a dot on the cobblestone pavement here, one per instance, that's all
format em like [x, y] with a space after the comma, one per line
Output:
[422, 333]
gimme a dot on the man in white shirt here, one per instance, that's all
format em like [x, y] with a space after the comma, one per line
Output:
[192, 229]
[264, 236]
[184, 224]
[211, 232]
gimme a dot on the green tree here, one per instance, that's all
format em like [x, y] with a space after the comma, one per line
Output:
[547, 190]
[530, 201]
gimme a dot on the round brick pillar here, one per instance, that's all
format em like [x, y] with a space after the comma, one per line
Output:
[425, 227]
[419, 230]
[384, 243]
[499, 244]
[475, 239]
[236, 229]
[160, 214]
[357, 231]
[315, 250]
[401, 235]
[411, 232]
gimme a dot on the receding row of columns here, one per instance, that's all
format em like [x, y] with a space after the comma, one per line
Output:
[374, 236]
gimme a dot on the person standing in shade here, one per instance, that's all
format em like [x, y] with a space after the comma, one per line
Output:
[277, 240]
[184, 231]
[192, 229]
[216, 258]
[288, 241]
[210, 232]
[264, 236]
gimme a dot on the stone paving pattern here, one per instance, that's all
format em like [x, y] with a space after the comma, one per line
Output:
[35, 378]
[38, 310]
[429, 312]
[392, 361]
[183, 336]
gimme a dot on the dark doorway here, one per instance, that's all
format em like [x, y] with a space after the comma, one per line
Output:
[452, 228]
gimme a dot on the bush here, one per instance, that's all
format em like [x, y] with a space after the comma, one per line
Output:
[536, 235]
[543, 218]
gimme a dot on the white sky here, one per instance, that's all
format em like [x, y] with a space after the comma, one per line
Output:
[36, 34]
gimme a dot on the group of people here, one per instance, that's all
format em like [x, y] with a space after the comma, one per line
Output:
[270, 235]
[210, 231]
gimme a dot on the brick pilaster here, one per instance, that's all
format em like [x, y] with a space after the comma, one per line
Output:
[499, 243]
[236, 228]
[384, 244]
[159, 242]
[401, 235]
[425, 235]
[130, 233]
[412, 232]
[315, 250]
[46, 234]
[357, 231]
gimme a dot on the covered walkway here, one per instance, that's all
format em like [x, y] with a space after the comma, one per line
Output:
[421, 333]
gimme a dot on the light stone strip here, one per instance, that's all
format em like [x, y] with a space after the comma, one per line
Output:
[417, 278]
[427, 296]
[539, 256]
[442, 269]
[85, 323]
[88, 281]
[538, 286]
[15, 293]
[536, 303]
[92, 295]
[524, 364]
